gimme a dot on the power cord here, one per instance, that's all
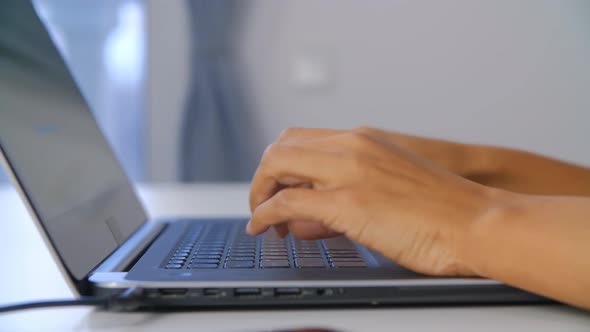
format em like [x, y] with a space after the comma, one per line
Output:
[126, 300]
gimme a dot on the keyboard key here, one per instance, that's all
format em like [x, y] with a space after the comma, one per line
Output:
[210, 252]
[310, 245]
[275, 257]
[274, 248]
[338, 243]
[345, 256]
[309, 262]
[241, 254]
[205, 261]
[211, 249]
[241, 258]
[348, 264]
[173, 266]
[203, 266]
[176, 261]
[180, 255]
[240, 264]
[307, 251]
[274, 243]
[278, 252]
[346, 259]
[249, 247]
[242, 251]
[207, 257]
[267, 263]
[297, 255]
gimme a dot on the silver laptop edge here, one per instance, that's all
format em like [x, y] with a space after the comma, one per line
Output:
[38, 224]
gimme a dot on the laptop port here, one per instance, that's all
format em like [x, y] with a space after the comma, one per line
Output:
[247, 291]
[211, 291]
[287, 291]
[173, 291]
[326, 292]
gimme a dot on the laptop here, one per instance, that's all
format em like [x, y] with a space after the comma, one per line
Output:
[102, 239]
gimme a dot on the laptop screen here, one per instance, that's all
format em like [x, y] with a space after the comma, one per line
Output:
[55, 150]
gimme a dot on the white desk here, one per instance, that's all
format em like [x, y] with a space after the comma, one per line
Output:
[28, 273]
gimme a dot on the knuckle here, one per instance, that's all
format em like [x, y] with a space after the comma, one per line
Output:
[366, 130]
[287, 133]
[361, 139]
[269, 148]
[270, 152]
[267, 161]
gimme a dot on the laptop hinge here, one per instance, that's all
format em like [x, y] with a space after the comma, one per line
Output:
[129, 251]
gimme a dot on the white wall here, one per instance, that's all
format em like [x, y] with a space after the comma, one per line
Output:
[168, 77]
[513, 73]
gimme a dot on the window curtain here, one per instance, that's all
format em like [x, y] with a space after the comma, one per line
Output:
[217, 138]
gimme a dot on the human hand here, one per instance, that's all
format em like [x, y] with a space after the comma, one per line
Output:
[318, 183]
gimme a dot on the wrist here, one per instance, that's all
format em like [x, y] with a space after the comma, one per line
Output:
[482, 249]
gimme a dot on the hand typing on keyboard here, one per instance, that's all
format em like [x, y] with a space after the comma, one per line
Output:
[521, 218]
[318, 183]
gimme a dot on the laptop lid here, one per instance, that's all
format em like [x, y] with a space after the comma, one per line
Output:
[55, 152]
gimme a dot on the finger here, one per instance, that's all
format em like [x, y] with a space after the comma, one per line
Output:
[310, 230]
[282, 230]
[298, 134]
[327, 139]
[289, 205]
[290, 163]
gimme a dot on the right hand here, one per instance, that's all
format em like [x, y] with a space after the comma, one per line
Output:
[374, 192]
[448, 155]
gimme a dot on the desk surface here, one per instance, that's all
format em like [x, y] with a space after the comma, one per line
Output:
[30, 274]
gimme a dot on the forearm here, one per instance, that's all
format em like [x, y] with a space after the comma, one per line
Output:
[503, 168]
[537, 243]
[523, 172]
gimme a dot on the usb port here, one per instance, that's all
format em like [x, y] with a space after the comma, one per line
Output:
[173, 291]
[211, 291]
[247, 291]
[287, 291]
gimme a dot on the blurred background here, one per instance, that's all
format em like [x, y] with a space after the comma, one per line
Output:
[194, 90]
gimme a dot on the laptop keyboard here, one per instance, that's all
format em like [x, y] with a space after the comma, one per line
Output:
[220, 245]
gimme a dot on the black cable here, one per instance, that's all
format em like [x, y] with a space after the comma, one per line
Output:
[127, 300]
[55, 303]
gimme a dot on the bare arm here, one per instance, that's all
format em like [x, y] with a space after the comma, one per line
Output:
[509, 169]
[538, 243]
